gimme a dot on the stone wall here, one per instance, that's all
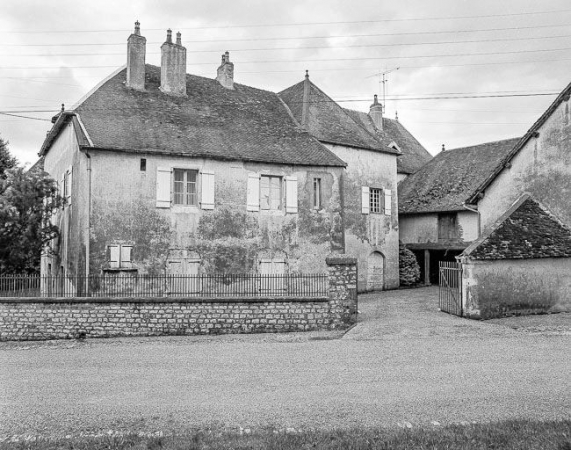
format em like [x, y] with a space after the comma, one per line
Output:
[516, 287]
[68, 318]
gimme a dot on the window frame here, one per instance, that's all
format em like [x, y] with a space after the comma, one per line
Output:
[376, 201]
[317, 194]
[185, 171]
[271, 199]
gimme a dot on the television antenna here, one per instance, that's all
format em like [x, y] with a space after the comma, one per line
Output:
[383, 79]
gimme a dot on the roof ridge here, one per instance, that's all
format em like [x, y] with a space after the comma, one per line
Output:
[497, 141]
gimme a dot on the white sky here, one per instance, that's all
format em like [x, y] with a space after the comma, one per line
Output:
[53, 52]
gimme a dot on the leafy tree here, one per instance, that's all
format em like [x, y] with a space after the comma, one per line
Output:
[7, 161]
[27, 201]
[409, 270]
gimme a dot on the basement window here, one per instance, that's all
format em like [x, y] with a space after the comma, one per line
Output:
[119, 256]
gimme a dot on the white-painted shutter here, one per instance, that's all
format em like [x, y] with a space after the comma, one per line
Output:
[126, 254]
[207, 200]
[163, 187]
[253, 192]
[62, 187]
[114, 256]
[365, 200]
[68, 185]
[388, 204]
[291, 194]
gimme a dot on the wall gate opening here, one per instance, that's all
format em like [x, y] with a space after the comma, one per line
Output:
[450, 285]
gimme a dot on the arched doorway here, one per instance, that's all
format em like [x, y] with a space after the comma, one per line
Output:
[375, 272]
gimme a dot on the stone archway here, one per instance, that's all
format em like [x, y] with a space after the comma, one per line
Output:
[375, 271]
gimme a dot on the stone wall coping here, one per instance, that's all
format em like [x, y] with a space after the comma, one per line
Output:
[87, 300]
[341, 260]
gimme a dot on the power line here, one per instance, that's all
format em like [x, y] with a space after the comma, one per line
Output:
[317, 47]
[298, 61]
[409, 19]
[24, 117]
[285, 38]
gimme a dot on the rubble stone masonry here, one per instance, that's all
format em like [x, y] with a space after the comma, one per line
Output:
[69, 318]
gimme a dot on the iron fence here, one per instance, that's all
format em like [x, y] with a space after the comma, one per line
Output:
[450, 291]
[135, 285]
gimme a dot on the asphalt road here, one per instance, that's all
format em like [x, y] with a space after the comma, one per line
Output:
[404, 362]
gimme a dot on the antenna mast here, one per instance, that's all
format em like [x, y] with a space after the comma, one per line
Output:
[385, 81]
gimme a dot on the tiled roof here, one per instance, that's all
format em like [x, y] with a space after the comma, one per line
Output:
[450, 178]
[562, 97]
[245, 124]
[413, 156]
[527, 230]
[329, 122]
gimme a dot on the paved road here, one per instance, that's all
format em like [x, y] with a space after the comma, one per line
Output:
[404, 361]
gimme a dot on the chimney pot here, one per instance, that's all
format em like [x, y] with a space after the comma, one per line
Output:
[173, 66]
[376, 113]
[225, 73]
[443, 148]
[306, 74]
[136, 49]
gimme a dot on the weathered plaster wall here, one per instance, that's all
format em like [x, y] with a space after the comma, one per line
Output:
[423, 228]
[542, 167]
[69, 248]
[418, 228]
[508, 287]
[467, 226]
[369, 233]
[226, 239]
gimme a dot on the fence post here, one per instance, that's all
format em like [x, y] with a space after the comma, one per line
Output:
[342, 289]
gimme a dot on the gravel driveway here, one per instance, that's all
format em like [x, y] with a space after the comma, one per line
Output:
[404, 361]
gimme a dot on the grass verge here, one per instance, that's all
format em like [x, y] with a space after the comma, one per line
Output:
[513, 434]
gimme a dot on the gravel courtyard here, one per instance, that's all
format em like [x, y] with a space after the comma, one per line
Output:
[403, 362]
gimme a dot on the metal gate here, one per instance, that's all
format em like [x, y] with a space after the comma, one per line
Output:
[450, 282]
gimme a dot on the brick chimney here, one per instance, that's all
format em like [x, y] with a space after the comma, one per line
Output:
[173, 66]
[376, 114]
[225, 74]
[136, 48]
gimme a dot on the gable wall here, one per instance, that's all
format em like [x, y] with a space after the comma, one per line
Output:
[368, 233]
[542, 167]
[63, 154]
[423, 228]
[226, 239]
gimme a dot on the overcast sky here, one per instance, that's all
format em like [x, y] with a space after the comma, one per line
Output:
[513, 55]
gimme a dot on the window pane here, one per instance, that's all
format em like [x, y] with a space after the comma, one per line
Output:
[317, 193]
[275, 193]
[264, 192]
[375, 200]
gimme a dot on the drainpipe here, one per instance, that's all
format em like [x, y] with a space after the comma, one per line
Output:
[88, 223]
[479, 216]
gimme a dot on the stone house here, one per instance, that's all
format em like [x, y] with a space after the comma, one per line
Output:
[166, 172]
[379, 153]
[520, 265]
[437, 221]
[456, 197]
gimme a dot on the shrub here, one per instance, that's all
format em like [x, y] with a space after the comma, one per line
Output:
[409, 270]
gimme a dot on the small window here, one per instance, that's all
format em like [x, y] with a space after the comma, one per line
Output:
[317, 193]
[375, 200]
[270, 192]
[143, 164]
[119, 256]
[184, 187]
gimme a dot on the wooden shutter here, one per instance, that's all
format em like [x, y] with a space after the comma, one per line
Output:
[163, 187]
[365, 200]
[126, 255]
[114, 254]
[253, 192]
[207, 181]
[388, 202]
[291, 194]
[68, 185]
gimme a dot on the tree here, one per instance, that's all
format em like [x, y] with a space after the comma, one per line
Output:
[409, 270]
[7, 161]
[27, 201]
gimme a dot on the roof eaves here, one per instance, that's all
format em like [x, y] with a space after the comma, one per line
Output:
[532, 132]
[54, 132]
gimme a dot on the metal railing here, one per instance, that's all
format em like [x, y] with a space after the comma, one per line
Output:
[450, 290]
[126, 285]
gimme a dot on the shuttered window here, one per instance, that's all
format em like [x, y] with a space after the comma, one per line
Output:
[184, 187]
[181, 187]
[270, 192]
[119, 256]
[376, 201]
